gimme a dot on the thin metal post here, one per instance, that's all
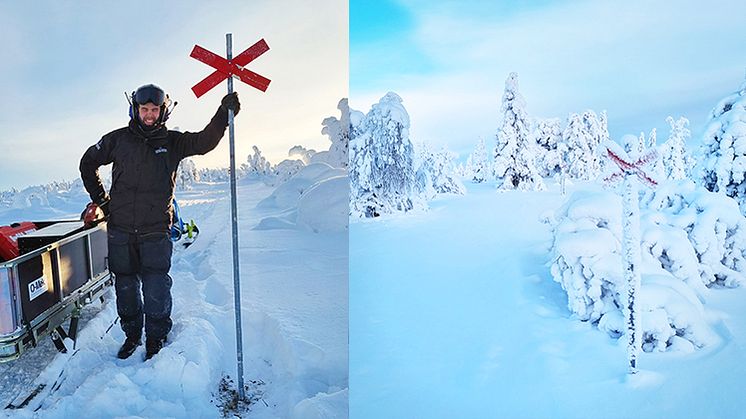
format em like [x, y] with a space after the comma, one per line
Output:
[631, 263]
[234, 225]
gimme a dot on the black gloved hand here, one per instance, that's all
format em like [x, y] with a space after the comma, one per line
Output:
[103, 203]
[230, 101]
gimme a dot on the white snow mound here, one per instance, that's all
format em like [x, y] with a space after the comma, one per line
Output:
[325, 206]
[287, 195]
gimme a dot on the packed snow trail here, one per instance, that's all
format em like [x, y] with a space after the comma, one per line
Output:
[294, 289]
[454, 314]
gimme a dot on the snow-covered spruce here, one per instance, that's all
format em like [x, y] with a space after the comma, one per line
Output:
[583, 136]
[551, 150]
[691, 239]
[477, 165]
[515, 152]
[677, 161]
[382, 161]
[437, 171]
[723, 165]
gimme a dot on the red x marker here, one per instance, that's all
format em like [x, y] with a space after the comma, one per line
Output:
[227, 68]
[635, 168]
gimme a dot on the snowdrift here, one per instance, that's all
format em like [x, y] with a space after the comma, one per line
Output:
[315, 198]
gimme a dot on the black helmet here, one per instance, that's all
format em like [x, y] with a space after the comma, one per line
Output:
[150, 93]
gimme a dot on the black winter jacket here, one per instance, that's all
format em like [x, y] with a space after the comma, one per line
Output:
[144, 171]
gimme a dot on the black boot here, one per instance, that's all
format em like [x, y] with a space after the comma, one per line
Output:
[128, 347]
[153, 346]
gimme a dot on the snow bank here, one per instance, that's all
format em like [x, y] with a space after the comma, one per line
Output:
[691, 239]
[322, 406]
[315, 198]
[287, 194]
[325, 206]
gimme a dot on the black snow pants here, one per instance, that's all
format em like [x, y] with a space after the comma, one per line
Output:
[142, 261]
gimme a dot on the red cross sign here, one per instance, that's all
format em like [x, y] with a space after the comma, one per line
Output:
[632, 168]
[229, 68]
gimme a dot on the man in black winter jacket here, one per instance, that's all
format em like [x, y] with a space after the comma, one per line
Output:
[139, 208]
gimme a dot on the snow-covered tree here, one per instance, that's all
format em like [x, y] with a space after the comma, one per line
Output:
[514, 154]
[210, 175]
[382, 166]
[186, 175]
[477, 165]
[579, 154]
[7, 197]
[676, 161]
[630, 144]
[640, 144]
[691, 240]
[461, 169]
[439, 165]
[598, 133]
[423, 177]
[338, 131]
[548, 136]
[301, 153]
[652, 138]
[285, 170]
[724, 148]
[256, 165]
[583, 137]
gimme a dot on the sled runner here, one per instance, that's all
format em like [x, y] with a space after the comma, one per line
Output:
[61, 266]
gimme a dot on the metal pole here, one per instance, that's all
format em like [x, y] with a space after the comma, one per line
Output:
[234, 225]
[631, 262]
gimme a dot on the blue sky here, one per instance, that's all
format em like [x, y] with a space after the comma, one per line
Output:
[640, 61]
[67, 65]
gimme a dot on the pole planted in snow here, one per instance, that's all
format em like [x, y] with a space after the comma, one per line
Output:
[631, 262]
[234, 229]
[226, 69]
[631, 254]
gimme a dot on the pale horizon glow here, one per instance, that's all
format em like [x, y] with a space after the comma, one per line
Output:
[64, 87]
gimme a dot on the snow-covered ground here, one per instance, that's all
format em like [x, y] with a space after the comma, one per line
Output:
[454, 313]
[295, 318]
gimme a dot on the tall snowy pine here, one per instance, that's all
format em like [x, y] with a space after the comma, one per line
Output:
[514, 155]
[724, 148]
